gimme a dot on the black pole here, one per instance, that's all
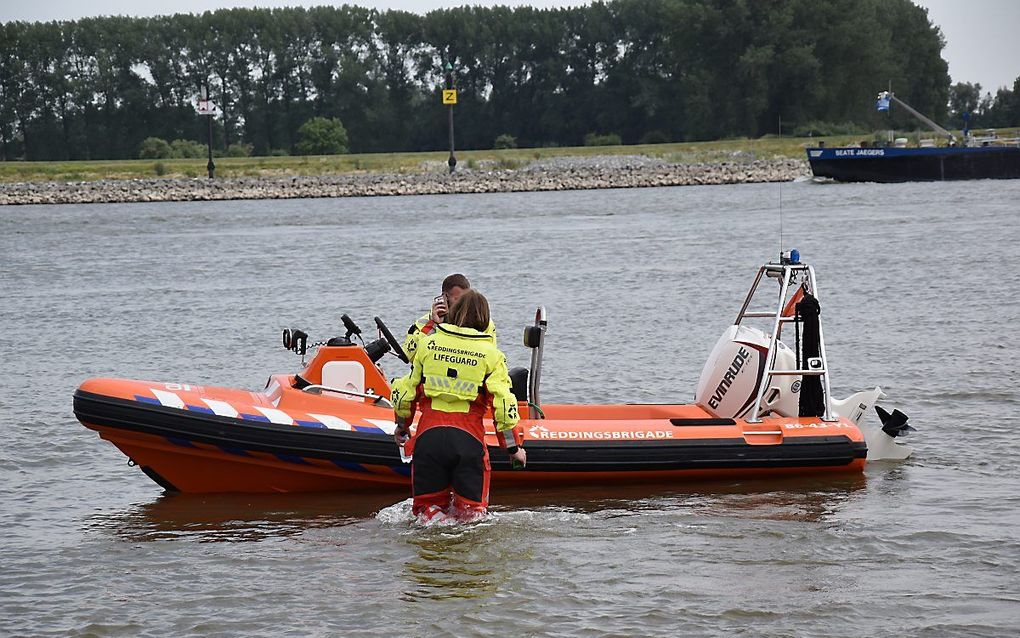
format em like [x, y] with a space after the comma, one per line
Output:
[211, 167]
[449, 85]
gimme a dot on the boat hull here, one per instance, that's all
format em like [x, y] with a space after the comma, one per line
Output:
[890, 165]
[184, 446]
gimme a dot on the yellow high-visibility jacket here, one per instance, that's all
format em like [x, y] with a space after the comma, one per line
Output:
[455, 365]
[415, 334]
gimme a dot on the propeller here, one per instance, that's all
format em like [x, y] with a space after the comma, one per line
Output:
[894, 424]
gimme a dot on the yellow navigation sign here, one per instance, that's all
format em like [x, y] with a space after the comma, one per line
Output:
[449, 96]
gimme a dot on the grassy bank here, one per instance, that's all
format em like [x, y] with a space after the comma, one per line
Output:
[687, 152]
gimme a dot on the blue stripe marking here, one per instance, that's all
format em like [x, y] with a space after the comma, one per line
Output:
[368, 428]
[403, 470]
[290, 458]
[180, 442]
[310, 424]
[234, 450]
[347, 465]
[200, 408]
[255, 417]
[150, 400]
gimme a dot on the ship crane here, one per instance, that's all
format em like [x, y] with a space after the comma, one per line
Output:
[923, 118]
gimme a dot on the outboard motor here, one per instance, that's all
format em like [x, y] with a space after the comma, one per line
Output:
[731, 377]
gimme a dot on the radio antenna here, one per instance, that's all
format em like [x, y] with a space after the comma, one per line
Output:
[780, 194]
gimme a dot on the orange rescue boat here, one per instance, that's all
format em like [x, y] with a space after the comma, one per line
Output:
[761, 408]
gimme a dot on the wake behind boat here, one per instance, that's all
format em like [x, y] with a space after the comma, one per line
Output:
[761, 408]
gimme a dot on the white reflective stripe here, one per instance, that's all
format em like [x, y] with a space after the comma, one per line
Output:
[331, 422]
[460, 388]
[386, 426]
[221, 408]
[439, 382]
[467, 386]
[169, 399]
[275, 416]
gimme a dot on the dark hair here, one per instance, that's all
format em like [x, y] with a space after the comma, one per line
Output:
[470, 311]
[456, 280]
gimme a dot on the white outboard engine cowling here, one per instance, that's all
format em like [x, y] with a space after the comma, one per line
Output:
[730, 380]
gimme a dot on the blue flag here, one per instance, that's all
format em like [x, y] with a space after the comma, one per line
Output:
[883, 102]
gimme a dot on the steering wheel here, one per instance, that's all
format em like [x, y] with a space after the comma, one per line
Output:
[397, 350]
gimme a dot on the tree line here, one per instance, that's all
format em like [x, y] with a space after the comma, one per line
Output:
[988, 111]
[645, 70]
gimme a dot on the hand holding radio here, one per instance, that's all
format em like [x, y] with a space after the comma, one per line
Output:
[440, 307]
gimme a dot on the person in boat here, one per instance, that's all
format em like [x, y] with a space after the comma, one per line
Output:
[457, 373]
[453, 287]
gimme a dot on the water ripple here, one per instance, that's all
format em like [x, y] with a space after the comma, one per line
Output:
[638, 284]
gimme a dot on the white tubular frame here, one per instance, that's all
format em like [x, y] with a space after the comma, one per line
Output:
[787, 274]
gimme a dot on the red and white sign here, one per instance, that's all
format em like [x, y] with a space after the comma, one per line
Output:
[206, 107]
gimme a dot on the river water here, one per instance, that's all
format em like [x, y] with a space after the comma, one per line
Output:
[919, 288]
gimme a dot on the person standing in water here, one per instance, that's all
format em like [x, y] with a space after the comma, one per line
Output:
[457, 372]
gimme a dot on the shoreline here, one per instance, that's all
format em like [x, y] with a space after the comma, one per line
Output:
[554, 174]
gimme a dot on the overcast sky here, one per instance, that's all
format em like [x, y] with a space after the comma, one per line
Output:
[982, 37]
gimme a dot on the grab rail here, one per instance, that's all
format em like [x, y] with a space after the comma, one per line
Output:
[377, 399]
[797, 373]
[535, 378]
[787, 274]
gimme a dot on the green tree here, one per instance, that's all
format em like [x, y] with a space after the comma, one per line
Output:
[964, 97]
[596, 139]
[690, 69]
[187, 149]
[154, 148]
[505, 141]
[239, 150]
[1011, 105]
[12, 84]
[322, 136]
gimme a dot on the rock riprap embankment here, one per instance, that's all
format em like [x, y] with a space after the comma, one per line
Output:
[552, 174]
